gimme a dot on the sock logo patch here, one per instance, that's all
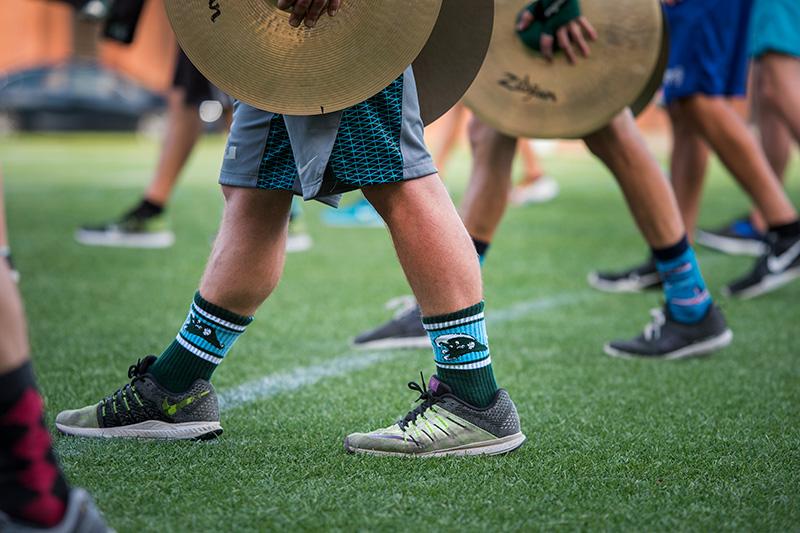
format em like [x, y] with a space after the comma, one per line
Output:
[455, 346]
[195, 327]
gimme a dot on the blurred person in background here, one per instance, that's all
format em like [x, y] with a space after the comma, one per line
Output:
[708, 65]
[689, 324]
[535, 187]
[775, 50]
[145, 225]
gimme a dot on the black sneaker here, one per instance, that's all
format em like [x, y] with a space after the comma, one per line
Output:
[738, 237]
[133, 230]
[779, 266]
[404, 330]
[664, 338]
[143, 408]
[637, 279]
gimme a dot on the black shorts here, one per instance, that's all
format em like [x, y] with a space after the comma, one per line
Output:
[198, 88]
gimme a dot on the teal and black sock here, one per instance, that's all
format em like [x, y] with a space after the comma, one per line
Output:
[200, 346]
[482, 247]
[461, 351]
[685, 290]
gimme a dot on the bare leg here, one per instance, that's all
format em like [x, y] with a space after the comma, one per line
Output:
[452, 125]
[486, 199]
[533, 170]
[14, 339]
[183, 129]
[434, 249]
[688, 166]
[649, 196]
[3, 227]
[776, 100]
[739, 151]
[248, 256]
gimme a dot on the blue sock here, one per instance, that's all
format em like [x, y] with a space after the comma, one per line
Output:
[685, 290]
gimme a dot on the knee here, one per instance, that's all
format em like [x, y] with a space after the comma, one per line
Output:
[256, 205]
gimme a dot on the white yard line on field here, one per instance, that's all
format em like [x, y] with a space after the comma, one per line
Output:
[304, 376]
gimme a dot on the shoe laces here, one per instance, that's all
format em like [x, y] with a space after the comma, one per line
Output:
[121, 396]
[410, 424]
[652, 330]
[401, 305]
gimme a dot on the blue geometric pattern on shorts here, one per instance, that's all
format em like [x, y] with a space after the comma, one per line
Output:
[278, 170]
[367, 149]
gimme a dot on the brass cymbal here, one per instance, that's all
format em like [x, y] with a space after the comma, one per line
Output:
[248, 49]
[521, 94]
[453, 55]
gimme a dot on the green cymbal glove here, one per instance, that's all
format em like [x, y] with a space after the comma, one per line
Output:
[548, 17]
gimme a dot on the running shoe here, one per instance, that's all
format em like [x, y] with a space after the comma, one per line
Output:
[776, 268]
[637, 279]
[738, 237]
[543, 190]
[298, 240]
[403, 330]
[130, 231]
[443, 424]
[664, 338]
[360, 214]
[143, 408]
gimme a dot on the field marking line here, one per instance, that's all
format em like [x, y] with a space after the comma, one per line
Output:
[281, 382]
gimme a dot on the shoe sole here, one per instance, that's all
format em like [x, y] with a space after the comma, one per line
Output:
[697, 349]
[161, 239]
[730, 246]
[767, 285]
[151, 429]
[395, 343]
[298, 243]
[642, 284]
[493, 447]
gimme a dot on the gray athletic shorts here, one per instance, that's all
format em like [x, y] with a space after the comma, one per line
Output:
[321, 157]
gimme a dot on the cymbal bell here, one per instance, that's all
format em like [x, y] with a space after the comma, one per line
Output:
[522, 94]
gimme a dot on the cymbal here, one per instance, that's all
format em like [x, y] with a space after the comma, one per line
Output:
[657, 78]
[522, 94]
[453, 55]
[248, 49]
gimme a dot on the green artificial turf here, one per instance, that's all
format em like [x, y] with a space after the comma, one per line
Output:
[711, 444]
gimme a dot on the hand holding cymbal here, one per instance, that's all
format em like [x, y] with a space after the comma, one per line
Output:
[308, 11]
[571, 29]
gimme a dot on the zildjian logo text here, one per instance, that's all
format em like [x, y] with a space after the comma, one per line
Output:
[515, 84]
[213, 5]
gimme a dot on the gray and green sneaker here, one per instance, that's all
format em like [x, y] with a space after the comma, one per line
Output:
[144, 409]
[445, 425]
[132, 230]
